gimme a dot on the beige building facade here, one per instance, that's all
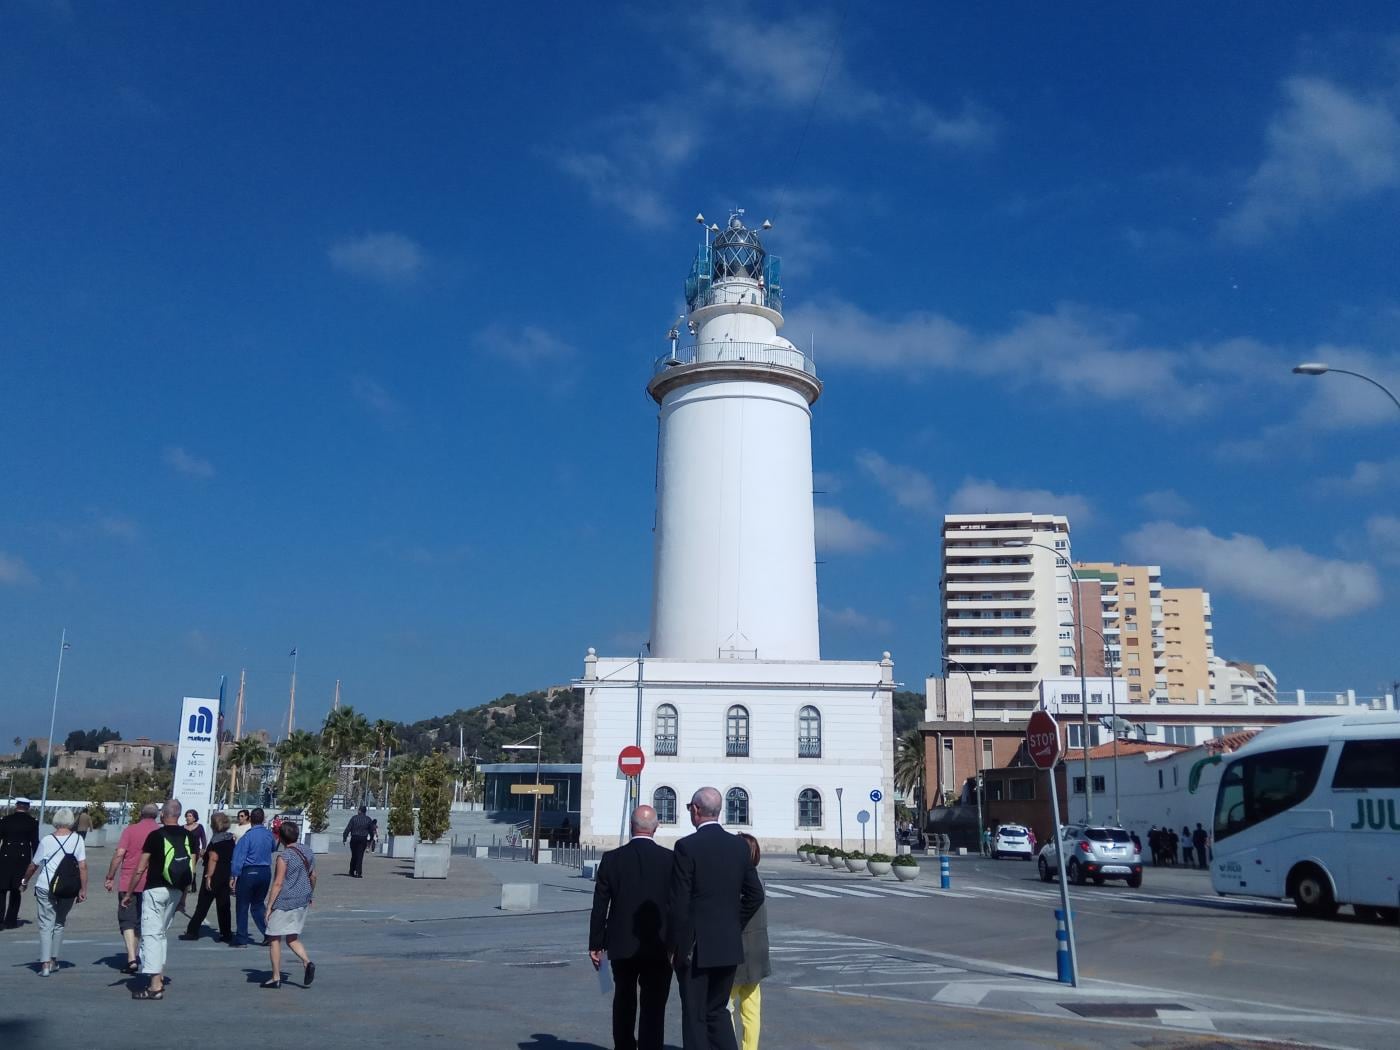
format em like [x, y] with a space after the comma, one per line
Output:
[1134, 592]
[1190, 644]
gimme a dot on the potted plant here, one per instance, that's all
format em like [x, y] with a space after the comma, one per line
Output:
[401, 815]
[803, 850]
[433, 856]
[878, 863]
[311, 780]
[837, 858]
[905, 867]
[820, 853]
[97, 813]
[318, 817]
[855, 861]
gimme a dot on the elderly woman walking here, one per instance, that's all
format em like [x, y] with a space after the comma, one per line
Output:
[745, 993]
[61, 866]
[288, 898]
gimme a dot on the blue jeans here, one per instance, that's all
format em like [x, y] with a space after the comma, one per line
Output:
[253, 883]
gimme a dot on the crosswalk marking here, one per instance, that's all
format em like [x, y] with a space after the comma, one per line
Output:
[807, 893]
[850, 892]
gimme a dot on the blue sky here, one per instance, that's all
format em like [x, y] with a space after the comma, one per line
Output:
[332, 329]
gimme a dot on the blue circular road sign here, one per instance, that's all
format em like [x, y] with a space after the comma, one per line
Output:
[876, 795]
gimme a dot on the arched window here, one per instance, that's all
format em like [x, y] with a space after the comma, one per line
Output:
[809, 733]
[667, 730]
[663, 800]
[809, 808]
[736, 806]
[736, 732]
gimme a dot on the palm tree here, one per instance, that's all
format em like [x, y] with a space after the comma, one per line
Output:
[909, 762]
[311, 773]
[385, 740]
[299, 745]
[250, 751]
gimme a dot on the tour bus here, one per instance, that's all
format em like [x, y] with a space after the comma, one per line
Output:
[1312, 811]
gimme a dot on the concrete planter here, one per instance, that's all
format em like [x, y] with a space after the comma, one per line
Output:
[854, 866]
[431, 860]
[401, 846]
[836, 862]
[877, 867]
[319, 841]
[905, 872]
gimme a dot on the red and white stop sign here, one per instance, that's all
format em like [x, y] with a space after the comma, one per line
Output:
[631, 760]
[1043, 739]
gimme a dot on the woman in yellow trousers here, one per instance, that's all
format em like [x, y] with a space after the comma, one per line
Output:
[745, 999]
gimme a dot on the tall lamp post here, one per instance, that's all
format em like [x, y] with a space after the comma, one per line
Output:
[63, 646]
[1113, 717]
[1317, 368]
[1083, 684]
[976, 751]
[538, 747]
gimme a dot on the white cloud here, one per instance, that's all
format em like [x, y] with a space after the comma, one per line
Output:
[1326, 147]
[1165, 503]
[1367, 476]
[1383, 530]
[838, 532]
[528, 347]
[186, 463]
[910, 488]
[975, 496]
[14, 572]
[855, 620]
[1288, 579]
[389, 258]
[376, 398]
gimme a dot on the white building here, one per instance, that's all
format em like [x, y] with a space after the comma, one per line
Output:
[1237, 682]
[733, 692]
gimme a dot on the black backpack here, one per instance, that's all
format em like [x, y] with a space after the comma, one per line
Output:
[66, 882]
[177, 864]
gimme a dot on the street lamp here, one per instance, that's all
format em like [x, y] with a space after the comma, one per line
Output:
[53, 716]
[537, 747]
[1083, 685]
[1317, 368]
[1113, 716]
[976, 751]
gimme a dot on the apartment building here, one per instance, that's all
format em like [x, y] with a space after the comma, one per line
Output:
[1189, 643]
[1135, 594]
[1240, 682]
[1005, 593]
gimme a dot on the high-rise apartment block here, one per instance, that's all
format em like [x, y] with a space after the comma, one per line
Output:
[1190, 644]
[1134, 592]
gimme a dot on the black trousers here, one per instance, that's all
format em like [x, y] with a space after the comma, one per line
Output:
[357, 855]
[705, 1021]
[10, 897]
[653, 978]
[219, 897]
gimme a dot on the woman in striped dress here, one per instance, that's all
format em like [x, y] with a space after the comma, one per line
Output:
[288, 898]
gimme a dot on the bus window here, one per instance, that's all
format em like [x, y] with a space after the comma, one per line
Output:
[1261, 786]
[1368, 764]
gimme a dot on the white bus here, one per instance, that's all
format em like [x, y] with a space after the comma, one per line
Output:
[1311, 811]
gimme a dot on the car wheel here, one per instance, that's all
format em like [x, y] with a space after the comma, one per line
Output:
[1134, 881]
[1312, 893]
[1044, 870]
[1075, 873]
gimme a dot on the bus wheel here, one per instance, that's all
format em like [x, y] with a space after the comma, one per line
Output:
[1311, 892]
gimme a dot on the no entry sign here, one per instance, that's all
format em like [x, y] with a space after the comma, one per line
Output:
[631, 760]
[1043, 740]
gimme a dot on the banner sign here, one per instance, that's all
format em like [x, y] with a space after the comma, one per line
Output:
[195, 759]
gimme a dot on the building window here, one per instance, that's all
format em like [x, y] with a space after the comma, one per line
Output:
[1067, 650]
[809, 808]
[663, 800]
[1133, 672]
[736, 735]
[667, 726]
[987, 760]
[1099, 785]
[1069, 698]
[809, 734]
[1023, 790]
[1180, 735]
[736, 807]
[1160, 783]
[1074, 735]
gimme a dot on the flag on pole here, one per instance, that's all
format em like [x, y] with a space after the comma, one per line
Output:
[292, 653]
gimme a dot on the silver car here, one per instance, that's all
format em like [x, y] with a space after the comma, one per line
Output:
[1093, 852]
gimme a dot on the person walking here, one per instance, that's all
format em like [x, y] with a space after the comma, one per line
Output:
[628, 924]
[747, 1001]
[214, 890]
[357, 833]
[1201, 841]
[288, 898]
[19, 841]
[84, 825]
[119, 873]
[714, 893]
[61, 864]
[241, 825]
[250, 875]
[168, 863]
[196, 830]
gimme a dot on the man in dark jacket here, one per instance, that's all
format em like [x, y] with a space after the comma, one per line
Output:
[19, 841]
[715, 891]
[629, 923]
[1200, 841]
[358, 832]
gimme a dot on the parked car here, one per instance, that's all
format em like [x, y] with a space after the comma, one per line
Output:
[1012, 840]
[1093, 852]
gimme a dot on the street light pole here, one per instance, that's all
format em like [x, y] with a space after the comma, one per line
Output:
[53, 717]
[1113, 717]
[1317, 368]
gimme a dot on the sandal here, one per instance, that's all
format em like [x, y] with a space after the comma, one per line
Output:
[274, 983]
[309, 975]
[132, 967]
[146, 993]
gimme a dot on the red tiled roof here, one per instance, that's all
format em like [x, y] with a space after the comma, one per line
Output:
[1125, 747]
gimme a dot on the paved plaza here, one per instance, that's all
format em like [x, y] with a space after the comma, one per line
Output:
[858, 962]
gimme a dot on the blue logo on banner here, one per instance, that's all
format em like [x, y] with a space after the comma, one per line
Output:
[202, 721]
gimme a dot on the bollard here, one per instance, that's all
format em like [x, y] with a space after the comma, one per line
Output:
[1064, 972]
[945, 873]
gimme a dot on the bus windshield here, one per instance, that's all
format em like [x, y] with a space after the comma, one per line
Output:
[1261, 786]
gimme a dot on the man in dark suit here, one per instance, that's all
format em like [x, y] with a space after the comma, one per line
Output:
[19, 839]
[628, 922]
[715, 891]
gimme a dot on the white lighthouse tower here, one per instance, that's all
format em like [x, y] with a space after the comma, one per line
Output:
[732, 691]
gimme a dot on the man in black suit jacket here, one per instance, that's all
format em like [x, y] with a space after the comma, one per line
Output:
[715, 891]
[19, 840]
[629, 922]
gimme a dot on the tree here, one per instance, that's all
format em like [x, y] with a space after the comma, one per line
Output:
[90, 740]
[300, 744]
[311, 775]
[243, 755]
[434, 783]
[909, 762]
[31, 756]
[402, 773]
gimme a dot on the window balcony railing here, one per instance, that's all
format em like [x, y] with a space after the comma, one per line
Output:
[665, 744]
[809, 749]
[736, 748]
[779, 354]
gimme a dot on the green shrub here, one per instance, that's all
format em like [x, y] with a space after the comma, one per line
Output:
[434, 799]
[805, 848]
[401, 807]
[905, 860]
[97, 813]
[822, 851]
[318, 807]
[879, 858]
[855, 854]
[839, 854]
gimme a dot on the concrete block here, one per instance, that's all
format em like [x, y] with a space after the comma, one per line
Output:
[483, 853]
[590, 871]
[520, 896]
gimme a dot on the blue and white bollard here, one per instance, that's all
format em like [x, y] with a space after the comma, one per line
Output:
[945, 873]
[1064, 973]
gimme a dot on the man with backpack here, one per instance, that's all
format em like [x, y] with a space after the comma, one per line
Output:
[168, 864]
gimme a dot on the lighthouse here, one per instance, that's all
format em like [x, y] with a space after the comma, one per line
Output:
[731, 690]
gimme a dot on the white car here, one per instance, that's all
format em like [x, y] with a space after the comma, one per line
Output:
[1012, 840]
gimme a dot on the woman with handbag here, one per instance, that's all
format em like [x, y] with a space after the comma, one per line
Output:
[288, 898]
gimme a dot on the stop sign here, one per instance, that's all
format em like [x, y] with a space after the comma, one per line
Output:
[1043, 739]
[630, 760]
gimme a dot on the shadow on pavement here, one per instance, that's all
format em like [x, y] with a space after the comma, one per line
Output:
[21, 1034]
[541, 1041]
